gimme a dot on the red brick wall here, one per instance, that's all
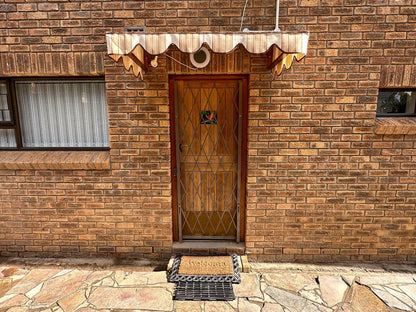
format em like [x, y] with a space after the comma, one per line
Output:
[321, 185]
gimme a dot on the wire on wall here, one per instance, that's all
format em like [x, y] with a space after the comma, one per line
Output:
[242, 15]
[179, 62]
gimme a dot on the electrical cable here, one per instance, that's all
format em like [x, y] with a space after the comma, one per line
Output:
[242, 15]
[172, 58]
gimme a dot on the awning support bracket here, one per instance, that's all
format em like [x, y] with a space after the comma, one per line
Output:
[139, 62]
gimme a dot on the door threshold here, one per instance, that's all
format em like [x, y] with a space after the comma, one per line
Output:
[208, 247]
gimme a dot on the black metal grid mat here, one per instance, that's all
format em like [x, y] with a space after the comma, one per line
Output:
[204, 291]
[174, 275]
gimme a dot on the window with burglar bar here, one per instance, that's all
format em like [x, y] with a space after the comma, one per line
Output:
[396, 103]
[53, 114]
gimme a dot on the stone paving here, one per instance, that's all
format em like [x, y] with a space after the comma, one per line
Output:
[280, 288]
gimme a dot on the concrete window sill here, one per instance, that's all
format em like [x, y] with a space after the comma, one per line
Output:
[402, 125]
[39, 160]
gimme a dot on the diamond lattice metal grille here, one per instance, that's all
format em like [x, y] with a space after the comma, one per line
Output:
[208, 146]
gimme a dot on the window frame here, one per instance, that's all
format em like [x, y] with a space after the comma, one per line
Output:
[395, 115]
[15, 117]
[8, 124]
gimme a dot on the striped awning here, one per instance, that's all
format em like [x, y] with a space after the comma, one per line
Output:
[131, 47]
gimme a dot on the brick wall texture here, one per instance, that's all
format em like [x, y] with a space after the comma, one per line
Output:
[321, 185]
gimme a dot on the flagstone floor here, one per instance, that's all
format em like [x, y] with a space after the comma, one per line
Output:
[276, 287]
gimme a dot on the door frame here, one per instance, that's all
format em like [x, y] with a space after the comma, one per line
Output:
[243, 157]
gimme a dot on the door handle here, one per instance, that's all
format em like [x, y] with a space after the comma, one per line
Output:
[182, 145]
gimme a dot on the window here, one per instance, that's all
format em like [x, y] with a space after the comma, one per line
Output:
[53, 114]
[7, 135]
[396, 103]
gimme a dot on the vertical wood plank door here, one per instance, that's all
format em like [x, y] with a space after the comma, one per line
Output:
[208, 148]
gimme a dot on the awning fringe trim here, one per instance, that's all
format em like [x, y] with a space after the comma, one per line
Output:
[131, 46]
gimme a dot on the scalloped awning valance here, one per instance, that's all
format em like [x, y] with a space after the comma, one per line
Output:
[131, 47]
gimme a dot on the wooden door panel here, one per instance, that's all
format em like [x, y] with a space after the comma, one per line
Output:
[202, 224]
[207, 153]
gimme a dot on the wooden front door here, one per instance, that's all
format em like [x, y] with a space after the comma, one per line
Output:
[208, 170]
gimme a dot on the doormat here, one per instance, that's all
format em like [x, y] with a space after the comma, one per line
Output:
[202, 291]
[205, 269]
[205, 278]
[219, 265]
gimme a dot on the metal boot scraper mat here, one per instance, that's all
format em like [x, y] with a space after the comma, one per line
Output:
[204, 291]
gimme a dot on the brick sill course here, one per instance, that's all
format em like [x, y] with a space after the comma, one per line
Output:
[55, 160]
[402, 125]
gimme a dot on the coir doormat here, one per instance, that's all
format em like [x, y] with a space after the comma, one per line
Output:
[218, 265]
[205, 269]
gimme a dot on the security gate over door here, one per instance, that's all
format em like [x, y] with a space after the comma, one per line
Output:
[208, 134]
